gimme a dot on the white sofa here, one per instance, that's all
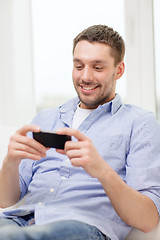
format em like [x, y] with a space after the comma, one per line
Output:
[135, 234]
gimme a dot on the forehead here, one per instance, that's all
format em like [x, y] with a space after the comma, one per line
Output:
[94, 51]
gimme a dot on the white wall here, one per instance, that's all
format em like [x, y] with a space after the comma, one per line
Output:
[17, 104]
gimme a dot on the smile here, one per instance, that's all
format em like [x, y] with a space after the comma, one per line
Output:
[88, 89]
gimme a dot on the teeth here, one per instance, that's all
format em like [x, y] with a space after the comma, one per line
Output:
[88, 88]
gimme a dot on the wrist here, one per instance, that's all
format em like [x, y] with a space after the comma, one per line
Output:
[105, 174]
[10, 163]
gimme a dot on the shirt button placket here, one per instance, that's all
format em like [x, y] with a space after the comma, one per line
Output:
[65, 169]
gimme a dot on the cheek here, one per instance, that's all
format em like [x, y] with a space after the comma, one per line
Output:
[72, 74]
[107, 82]
[102, 78]
[75, 75]
[75, 78]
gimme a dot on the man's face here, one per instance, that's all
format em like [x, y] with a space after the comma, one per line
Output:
[94, 74]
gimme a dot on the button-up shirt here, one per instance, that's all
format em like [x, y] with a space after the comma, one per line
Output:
[127, 138]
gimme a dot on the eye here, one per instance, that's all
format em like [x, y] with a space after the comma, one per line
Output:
[79, 67]
[98, 68]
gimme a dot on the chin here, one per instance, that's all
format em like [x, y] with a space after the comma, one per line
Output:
[89, 105]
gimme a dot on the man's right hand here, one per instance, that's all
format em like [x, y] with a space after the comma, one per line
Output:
[21, 146]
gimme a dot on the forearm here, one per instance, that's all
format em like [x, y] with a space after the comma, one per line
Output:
[9, 184]
[134, 208]
[20, 147]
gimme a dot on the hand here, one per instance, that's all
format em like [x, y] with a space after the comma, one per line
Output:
[21, 146]
[82, 153]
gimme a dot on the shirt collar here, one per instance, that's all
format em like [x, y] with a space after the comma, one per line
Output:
[111, 106]
[116, 104]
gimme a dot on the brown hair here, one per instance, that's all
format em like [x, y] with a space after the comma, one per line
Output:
[106, 35]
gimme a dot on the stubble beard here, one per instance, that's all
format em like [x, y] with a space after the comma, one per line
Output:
[94, 101]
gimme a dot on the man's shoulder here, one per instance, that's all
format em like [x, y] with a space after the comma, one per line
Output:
[47, 112]
[136, 111]
[47, 116]
[138, 115]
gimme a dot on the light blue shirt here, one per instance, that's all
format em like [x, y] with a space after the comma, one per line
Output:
[128, 139]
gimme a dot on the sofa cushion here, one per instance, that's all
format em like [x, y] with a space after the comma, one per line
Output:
[136, 234]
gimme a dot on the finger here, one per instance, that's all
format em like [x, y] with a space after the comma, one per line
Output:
[28, 142]
[26, 155]
[61, 151]
[69, 145]
[72, 132]
[20, 151]
[74, 153]
[75, 145]
[28, 128]
[28, 149]
[76, 162]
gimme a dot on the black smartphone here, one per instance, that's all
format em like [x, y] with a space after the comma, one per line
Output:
[51, 139]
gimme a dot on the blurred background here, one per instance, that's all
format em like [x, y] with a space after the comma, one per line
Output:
[36, 39]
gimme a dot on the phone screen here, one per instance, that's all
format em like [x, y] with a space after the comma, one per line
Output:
[51, 140]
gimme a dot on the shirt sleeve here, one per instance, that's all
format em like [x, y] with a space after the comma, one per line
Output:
[143, 160]
[25, 175]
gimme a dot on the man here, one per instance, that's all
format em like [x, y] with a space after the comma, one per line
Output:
[107, 179]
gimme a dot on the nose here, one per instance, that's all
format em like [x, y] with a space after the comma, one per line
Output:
[87, 74]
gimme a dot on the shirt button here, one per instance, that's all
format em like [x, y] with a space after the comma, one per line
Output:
[63, 178]
[67, 160]
[40, 203]
[51, 190]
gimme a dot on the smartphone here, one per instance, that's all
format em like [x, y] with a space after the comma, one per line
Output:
[51, 139]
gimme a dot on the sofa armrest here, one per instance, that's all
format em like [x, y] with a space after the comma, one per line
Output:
[136, 234]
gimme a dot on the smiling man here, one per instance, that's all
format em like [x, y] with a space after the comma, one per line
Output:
[95, 70]
[107, 179]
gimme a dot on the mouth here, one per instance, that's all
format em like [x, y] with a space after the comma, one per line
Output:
[88, 89]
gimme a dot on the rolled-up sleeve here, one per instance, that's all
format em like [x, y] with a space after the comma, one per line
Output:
[143, 160]
[25, 175]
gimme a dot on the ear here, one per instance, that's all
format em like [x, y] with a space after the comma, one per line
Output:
[120, 70]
